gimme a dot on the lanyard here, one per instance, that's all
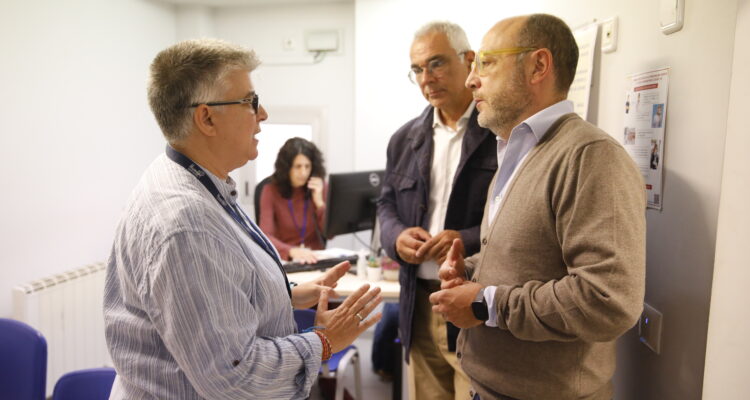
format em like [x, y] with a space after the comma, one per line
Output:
[232, 209]
[304, 220]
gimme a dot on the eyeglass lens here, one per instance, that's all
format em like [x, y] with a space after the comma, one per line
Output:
[255, 102]
[434, 67]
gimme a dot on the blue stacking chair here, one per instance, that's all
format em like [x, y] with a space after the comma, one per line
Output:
[23, 369]
[86, 384]
[336, 366]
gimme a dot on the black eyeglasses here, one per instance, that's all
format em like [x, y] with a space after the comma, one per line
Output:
[252, 100]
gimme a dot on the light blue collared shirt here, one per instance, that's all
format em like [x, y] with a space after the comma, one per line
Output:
[511, 154]
[194, 308]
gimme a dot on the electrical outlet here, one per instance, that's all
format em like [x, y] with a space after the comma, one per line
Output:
[609, 35]
[649, 328]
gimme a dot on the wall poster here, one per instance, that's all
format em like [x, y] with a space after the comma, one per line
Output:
[645, 122]
[580, 89]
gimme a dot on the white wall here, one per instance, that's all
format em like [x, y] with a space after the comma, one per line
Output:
[290, 87]
[77, 132]
[326, 88]
[682, 237]
[194, 21]
[728, 353]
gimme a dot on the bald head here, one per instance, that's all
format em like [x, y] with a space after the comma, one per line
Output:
[504, 34]
[546, 31]
[541, 31]
[510, 27]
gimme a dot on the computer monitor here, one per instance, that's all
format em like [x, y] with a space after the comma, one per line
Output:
[351, 201]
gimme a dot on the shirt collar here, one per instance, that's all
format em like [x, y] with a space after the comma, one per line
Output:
[227, 187]
[540, 122]
[436, 121]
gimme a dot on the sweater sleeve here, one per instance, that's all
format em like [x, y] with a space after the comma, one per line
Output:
[268, 219]
[600, 223]
[470, 263]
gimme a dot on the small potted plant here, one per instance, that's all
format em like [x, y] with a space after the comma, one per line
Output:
[373, 269]
[390, 268]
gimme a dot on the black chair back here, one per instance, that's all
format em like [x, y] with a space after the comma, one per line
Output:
[256, 199]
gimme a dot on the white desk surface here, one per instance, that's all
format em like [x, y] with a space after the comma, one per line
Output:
[350, 282]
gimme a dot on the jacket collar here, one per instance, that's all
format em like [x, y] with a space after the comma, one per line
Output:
[421, 140]
[473, 138]
[419, 136]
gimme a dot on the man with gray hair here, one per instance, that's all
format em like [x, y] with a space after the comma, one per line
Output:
[196, 304]
[434, 160]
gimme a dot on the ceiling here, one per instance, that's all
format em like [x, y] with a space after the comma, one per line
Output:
[226, 3]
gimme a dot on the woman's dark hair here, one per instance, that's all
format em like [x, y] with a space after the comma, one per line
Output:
[284, 160]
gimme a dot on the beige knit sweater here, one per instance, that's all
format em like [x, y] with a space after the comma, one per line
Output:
[567, 254]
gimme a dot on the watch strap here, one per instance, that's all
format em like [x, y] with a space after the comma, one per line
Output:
[479, 307]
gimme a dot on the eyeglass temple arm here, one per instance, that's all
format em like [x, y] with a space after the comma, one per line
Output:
[218, 103]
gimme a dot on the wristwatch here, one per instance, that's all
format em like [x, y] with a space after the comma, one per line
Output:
[479, 307]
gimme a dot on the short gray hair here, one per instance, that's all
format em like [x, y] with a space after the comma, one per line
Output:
[189, 72]
[456, 35]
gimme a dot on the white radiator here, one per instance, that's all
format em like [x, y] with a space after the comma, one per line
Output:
[67, 309]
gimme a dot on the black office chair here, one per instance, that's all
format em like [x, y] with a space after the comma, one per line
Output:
[258, 191]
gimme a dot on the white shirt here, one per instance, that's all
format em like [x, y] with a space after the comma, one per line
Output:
[446, 153]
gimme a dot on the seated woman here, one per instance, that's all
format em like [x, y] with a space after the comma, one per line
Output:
[292, 205]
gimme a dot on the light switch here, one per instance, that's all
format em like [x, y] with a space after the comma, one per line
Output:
[671, 15]
[609, 35]
[649, 328]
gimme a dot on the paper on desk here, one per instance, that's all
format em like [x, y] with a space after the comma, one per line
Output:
[333, 253]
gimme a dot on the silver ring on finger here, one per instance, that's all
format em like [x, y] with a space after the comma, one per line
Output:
[358, 315]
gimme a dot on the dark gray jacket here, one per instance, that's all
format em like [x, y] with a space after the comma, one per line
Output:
[404, 199]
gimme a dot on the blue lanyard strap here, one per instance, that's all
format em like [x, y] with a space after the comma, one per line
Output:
[232, 209]
[302, 230]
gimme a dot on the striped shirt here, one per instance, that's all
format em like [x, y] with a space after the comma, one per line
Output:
[193, 307]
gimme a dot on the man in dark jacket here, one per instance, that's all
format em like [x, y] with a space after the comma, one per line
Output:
[439, 167]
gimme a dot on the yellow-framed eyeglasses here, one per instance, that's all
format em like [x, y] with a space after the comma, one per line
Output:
[478, 65]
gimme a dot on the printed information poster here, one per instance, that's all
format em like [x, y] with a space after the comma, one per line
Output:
[645, 121]
[580, 89]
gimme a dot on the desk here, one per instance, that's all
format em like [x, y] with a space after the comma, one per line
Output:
[350, 282]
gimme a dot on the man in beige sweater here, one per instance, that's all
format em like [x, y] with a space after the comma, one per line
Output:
[560, 273]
